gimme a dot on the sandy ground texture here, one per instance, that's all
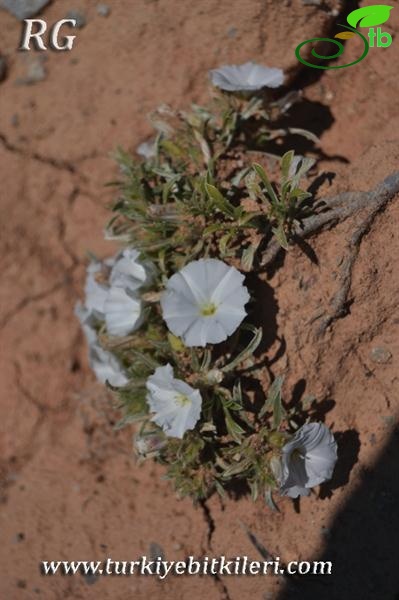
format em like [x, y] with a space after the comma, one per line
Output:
[70, 488]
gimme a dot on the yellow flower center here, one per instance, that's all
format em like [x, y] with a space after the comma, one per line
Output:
[182, 400]
[207, 310]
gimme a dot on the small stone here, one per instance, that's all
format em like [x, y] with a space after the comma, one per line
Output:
[232, 32]
[35, 71]
[389, 421]
[90, 578]
[155, 550]
[325, 531]
[23, 9]
[15, 120]
[176, 546]
[103, 10]
[380, 355]
[79, 16]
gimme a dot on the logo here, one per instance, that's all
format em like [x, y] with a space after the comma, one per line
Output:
[36, 37]
[368, 16]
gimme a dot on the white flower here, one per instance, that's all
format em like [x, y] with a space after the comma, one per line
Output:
[86, 320]
[147, 149]
[122, 311]
[104, 364]
[176, 405]
[204, 302]
[246, 77]
[129, 272]
[96, 288]
[307, 459]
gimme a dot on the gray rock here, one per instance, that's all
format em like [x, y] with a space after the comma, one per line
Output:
[35, 71]
[79, 17]
[103, 10]
[23, 9]
[380, 355]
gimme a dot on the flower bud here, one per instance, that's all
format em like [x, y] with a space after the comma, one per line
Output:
[214, 376]
[148, 444]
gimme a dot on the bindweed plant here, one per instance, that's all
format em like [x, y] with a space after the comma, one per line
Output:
[168, 320]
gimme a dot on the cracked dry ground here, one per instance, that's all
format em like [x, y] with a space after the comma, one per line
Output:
[70, 488]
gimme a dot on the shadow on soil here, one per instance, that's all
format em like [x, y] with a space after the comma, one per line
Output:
[363, 538]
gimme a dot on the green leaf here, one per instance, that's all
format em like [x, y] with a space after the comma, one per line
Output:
[249, 350]
[300, 194]
[206, 152]
[172, 149]
[236, 180]
[223, 243]
[234, 429]
[273, 402]
[369, 16]
[302, 168]
[167, 188]
[253, 486]
[206, 360]
[237, 393]
[262, 174]
[219, 200]
[270, 501]
[304, 133]
[280, 236]
[220, 489]
[286, 161]
[211, 229]
[247, 256]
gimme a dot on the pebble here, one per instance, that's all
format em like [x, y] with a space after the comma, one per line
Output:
[103, 10]
[91, 578]
[35, 71]
[325, 531]
[15, 120]
[23, 9]
[373, 439]
[380, 355]
[79, 16]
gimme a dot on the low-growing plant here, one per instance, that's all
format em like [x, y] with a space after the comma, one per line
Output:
[169, 319]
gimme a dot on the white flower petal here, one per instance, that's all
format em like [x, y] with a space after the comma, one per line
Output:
[106, 366]
[204, 302]
[147, 149]
[294, 491]
[86, 320]
[122, 312]
[95, 292]
[246, 77]
[177, 406]
[227, 284]
[308, 458]
[129, 272]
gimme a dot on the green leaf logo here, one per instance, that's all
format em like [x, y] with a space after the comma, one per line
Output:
[369, 16]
